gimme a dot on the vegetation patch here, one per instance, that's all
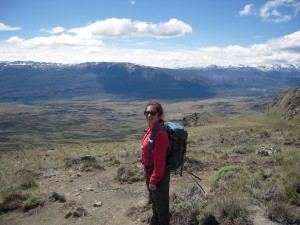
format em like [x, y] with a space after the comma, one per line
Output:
[34, 200]
[85, 163]
[185, 212]
[12, 202]
[112, 161]
[25, 202]
[283, 213]
[129, 174]
[140, 212]
[186, 207]
[226, 173]
[232, 210]
[239, 150]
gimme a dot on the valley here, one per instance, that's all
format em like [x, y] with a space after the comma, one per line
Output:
[82, 121]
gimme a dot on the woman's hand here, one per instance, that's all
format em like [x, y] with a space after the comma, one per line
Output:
[152, 187]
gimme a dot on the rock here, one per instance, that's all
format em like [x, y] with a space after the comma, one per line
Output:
[58, 197]
[78, 212]
[97, 204]
[49, 172]
[196, 119]
[267, 151]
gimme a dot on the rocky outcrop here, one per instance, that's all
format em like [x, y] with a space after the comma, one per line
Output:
[289, 101]
[196, 119]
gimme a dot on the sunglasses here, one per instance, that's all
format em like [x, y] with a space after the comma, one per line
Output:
[152, 113]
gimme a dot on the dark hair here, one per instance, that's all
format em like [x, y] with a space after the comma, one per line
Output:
[158, 108]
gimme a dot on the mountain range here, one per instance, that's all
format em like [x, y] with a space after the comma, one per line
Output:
[28, 81]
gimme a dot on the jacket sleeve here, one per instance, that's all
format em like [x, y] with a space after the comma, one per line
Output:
[161, 147]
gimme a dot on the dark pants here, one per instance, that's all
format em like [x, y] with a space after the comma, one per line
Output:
[160, 200]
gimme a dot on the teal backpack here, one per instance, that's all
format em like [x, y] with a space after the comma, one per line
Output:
[177, 144]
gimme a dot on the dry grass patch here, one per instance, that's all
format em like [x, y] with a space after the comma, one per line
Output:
[129, 174]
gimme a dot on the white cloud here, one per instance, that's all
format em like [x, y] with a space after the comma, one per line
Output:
[94, 34]
[290, 43]
[115, 27]
[276, 11]
[87, 44]
[248, 10]
[279, 11]
[15, 40]
[4, 27]
[55, 30]
[54, 41]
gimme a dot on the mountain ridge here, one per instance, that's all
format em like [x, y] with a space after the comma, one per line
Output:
[267, 67]
[32, 81]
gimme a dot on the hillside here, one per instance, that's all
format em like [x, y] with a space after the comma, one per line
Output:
[289, 102]
[248, 163]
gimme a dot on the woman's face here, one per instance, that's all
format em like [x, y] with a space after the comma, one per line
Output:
[152, 115]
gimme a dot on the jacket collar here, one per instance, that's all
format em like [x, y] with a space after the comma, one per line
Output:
[157, 125]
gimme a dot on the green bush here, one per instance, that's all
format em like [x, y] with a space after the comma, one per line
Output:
[226, 173]
[35, 199]
[185, 212]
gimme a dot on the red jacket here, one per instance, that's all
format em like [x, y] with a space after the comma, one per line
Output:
[158, 154]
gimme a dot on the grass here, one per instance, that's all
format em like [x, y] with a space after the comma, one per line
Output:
[239, 150]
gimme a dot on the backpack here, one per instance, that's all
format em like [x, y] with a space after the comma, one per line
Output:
[177, 144]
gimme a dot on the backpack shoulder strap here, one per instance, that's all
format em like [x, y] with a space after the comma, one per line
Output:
[151, 140]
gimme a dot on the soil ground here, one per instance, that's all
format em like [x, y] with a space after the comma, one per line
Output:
[83, 189]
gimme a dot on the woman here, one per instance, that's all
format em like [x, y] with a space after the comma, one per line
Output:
[154, 163]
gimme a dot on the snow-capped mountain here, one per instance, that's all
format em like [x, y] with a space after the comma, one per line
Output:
[30, 81]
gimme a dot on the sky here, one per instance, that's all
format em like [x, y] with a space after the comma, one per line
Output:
[158, 33]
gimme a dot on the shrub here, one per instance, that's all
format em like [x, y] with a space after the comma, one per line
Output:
[27, 202]
[283, 213]
[128, 173]
[12, 202]
[239, 150]
[186, 207]
[231, 209]
[85, 163]
[35, 199]
[225, 173]
[185, 212]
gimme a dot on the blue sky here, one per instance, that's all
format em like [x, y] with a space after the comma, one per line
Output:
[163, 33]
